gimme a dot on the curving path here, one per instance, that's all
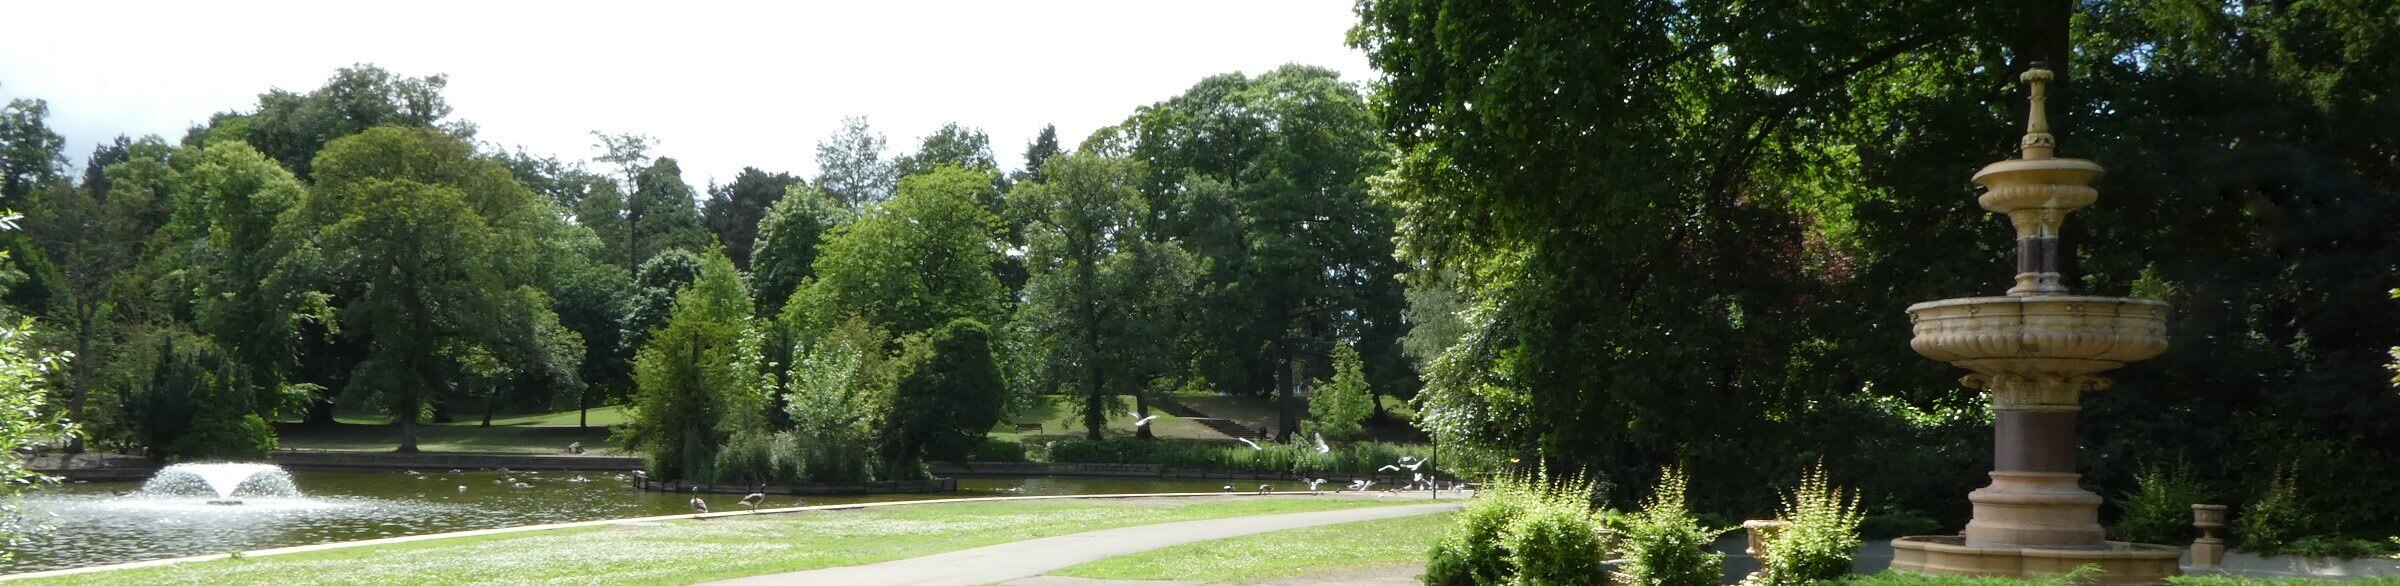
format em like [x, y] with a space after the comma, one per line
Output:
[1034, 557]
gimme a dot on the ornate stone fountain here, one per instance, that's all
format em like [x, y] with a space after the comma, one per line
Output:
[2037, 350]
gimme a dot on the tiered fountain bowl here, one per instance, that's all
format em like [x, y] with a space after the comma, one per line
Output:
[2036, 351]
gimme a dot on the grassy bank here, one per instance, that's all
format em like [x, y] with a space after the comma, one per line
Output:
[1326, 549]
[698, 550]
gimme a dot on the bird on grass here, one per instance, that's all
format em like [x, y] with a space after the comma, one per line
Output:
[1229, 488]
[699, 506]
[1266, 488]
[1253, 445]
[754, 499]
[462, 488]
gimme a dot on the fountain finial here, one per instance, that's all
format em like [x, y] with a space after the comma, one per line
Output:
[2038, 143]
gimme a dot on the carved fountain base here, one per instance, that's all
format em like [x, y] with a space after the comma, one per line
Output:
[2117, 563]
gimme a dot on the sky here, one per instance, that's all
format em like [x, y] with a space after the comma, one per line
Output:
[721, 85]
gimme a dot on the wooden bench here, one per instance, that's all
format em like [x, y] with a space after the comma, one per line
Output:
[1028, 427]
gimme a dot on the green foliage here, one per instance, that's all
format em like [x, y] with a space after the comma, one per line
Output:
[913, 263]
[656, 286]
[948, 395]
[1357, 459]
[1662, 544]
[698, 377]
[788, 237]
[30, 152]
[2276, 519]
[836, 398]
[1337, 409]
[998, 450]
[2160, 510]
[1820, 529]
[292, 128]
[851, 167]
[25, 422]
[734, 211]
[201, 405]
[1530, 529]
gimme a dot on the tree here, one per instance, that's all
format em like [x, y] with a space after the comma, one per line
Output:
[1100, 311]
[95, 167]
[291, 127]
[836, 395]
[734, 210]
[1266, 177]
[30, 153]
[405, 243]
[655, 290]
[788, 239]
[1039, 152]
[951, 144]
[850, 165]
[228, 203]
[916, 262]
[699, 376]
[948, 396]
[25, 420]
[97, 241]
[1336, 408]
[661, 215]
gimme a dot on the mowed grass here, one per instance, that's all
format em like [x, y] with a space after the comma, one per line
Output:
[500, 439]
[1324, 549]
[1915, 579]
[686, 551]
[1062, 417]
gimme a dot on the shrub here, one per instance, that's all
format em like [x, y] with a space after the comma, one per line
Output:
[1475, 552]
[746, 458]
[222, 434]
[1555, 543]
[995, 450]
[1662, 544]
[2159, 510]
[2270, 524]
[1820, 531]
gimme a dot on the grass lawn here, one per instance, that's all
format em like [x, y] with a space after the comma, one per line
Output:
[1324, 549]
[1062, 417]
[688, 551]
[468, 437]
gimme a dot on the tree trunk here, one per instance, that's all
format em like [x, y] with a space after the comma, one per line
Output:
[583, 407]
[82, 369]
[488, 405]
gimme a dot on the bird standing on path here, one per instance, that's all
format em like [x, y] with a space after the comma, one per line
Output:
[699, 506]
[754, 499]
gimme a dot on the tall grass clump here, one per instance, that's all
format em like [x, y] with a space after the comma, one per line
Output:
[1526, 530]
[1662, 544]
[1819, 532]
[2159, 510]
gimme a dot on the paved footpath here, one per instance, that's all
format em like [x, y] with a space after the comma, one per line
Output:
[1034, 557]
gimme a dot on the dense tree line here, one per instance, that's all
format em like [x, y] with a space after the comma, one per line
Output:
[1686, 232]
[353, 249]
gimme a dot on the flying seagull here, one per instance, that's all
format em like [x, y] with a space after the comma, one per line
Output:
[1143, 422]
[1321, 447]
[1253, 445]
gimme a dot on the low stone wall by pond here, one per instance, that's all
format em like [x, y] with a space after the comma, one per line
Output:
[335, 461]
[94, 466]
[875, 487]
[1096, 470]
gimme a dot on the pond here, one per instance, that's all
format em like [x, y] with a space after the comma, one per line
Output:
[101, 523]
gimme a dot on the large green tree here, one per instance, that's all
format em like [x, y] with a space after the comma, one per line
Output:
[852, 167]
[788, 238]
[30, 152]
[1102, 306]
[1685, 220]
[407, 242]
[733, 210]
[916, 262]
[292, 127]
[699, 376]
[949, 394]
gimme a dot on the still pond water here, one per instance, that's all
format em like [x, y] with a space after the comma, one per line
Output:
[102, 523]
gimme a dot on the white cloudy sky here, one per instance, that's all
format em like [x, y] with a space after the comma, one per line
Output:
[722, 85]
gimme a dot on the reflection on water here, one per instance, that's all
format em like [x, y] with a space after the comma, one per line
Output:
[101, 523]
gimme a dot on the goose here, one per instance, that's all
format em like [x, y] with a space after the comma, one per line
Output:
[754, 499]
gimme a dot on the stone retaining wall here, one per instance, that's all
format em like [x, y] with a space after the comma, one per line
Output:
[1095, 470]
[355, 461]
[876, 487]
[94, 466]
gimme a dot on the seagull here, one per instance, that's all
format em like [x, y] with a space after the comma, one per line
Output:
[1321, 447]
[521, 485]
[1388, 468]
[754, 499]
[1229, 488]
[1312, 485]
[1412, 467]
[412, 473]
[1143, 422]
[462, 488]
[1361, 485]
[699, 506]
[1253, 445]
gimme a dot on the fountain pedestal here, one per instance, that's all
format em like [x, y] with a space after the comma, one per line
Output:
[2036, 351]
